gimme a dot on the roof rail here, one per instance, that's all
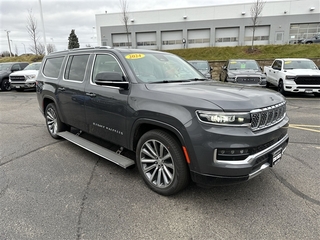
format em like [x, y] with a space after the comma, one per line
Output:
[82, 49]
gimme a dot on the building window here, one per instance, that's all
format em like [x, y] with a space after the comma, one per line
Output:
[200, 40]
[171, 42]
[122, 44]
[227, 39]
[300, 31]
[147, 43]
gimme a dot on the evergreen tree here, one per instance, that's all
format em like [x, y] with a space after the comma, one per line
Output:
[73, 40]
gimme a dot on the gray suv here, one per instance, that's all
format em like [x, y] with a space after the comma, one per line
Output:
[161, 115]
[314, 39]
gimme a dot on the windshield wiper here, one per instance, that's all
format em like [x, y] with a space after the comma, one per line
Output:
[199, 79]
[171, 81]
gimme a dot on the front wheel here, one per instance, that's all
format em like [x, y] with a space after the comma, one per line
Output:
[281, 88]
[161, 162]
[53, 122]
[5, 85]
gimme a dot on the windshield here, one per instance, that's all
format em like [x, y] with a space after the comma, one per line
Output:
[161, 67]
[5, 67]
[33, 66]
[300, 64]
[243, 64]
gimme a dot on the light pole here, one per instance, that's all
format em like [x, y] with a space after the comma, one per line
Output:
[44, 34]
[24, 48]
[8, 41]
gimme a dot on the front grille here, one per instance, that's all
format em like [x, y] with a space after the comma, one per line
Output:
[307, 80]
[17, 78]
[248, 79]
[266, 117]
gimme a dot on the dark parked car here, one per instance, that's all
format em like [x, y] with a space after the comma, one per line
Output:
[6, 69]
[176, 124]
[203, 67]
[314, 39]
[243, 71]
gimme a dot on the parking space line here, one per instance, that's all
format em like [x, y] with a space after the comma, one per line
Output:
[306, 127]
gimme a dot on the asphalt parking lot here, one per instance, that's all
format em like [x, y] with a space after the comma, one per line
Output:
[52, 189]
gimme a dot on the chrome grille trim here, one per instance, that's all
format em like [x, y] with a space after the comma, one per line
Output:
[266, 117]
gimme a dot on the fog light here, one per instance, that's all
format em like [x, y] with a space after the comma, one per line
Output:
[236, 154]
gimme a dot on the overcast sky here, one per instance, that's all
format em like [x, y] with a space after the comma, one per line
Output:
[61, 16]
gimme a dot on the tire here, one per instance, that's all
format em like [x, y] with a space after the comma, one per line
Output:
[281, 88]
[5, 85]
[53, 122]
[267, 84]
[165, 176]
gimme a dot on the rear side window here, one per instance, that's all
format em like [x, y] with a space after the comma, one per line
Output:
[76, 67]
[52, 67]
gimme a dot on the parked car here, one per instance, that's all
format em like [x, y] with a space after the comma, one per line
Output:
[176, 124]
[203, 67]
[294, 75]
[6, 69]
[25, 78]
[243, 71]
[314, 39]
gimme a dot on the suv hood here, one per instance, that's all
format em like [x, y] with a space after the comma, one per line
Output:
[309, 72]
[227, 96]
[245, 72]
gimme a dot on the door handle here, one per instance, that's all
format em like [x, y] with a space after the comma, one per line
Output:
[91, 94]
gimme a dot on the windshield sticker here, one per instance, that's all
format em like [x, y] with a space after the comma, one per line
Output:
[243, 65]
[233, 62]
[135, 56]
[287, 62]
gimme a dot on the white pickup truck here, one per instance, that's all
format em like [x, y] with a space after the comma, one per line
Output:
[294, 75]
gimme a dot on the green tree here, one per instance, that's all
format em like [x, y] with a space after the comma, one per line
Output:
[73, 40]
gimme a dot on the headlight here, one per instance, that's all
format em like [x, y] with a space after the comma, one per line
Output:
[222, 118]
[288, 77]
[30, 76]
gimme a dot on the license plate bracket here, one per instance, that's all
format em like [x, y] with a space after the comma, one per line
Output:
[275, 157]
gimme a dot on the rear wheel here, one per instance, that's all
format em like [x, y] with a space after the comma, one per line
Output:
[53, 122]
[161, 162]
[5, 85]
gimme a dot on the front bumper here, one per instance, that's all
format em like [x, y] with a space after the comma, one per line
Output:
[258, 163]
[23, 85]
[290, 86]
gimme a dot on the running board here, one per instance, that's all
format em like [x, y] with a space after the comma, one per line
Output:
[118, 159]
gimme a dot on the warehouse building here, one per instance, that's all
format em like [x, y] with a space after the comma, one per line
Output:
[281, 22]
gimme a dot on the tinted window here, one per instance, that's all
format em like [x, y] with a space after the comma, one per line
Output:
[52, 67]
[76, 67]
[105, 63]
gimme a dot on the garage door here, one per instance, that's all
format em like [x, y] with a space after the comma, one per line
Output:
[120, 40]
[227, 37]
[147, 40]
[198, 38]
[171, 40]
[261, 35]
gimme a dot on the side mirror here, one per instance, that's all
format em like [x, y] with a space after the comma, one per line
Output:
[112, 79]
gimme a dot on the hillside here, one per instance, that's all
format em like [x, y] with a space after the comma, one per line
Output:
[265, 52]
